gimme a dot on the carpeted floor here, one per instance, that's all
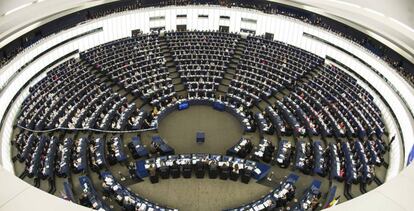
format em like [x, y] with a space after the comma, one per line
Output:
[200, 194]
[221, 129]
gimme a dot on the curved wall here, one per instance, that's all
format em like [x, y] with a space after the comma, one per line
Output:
[284, 29]
[17, 195]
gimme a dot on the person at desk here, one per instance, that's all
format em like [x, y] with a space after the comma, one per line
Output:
[84, 200]
[147, 121]
[164, 170]
[220, 98]
[132, 172]
[173, 100]
[187, 169]
[199, 168]
[234, 175]
[155, 112]
[213, 170]
[175, 170]
[154, 147]
[153, 173]
[152, 170]
[236, 168]
[314, 202]
[240, 109]
[242, 152]
[290, 192]
[224, 171]
[106, 189]
[128, 203]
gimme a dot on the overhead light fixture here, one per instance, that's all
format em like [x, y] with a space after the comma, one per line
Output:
[17, 8]
[347, 3]
[402, 24]
[374, 12]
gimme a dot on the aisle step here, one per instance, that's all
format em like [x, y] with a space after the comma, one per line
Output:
[172, 68]
[231, 70]
[176, 81]
[223, 88]
[263, 104]
[225, 82]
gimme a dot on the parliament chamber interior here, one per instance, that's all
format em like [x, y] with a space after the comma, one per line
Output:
[204, 105]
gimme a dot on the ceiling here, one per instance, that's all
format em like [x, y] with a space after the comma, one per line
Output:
[401, 10]
[392, 20]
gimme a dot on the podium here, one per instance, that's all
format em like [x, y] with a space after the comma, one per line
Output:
[200, 137]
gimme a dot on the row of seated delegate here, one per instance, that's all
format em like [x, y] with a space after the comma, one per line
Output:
[202, 58]
[127, 199]
[217, 166]
[267, 67]
[330, 104]
[283, 194]
[76, 100]
[352, 162]
[317, 108]
[136, 64]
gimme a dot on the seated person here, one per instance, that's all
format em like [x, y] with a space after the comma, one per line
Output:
[155, 112]
[224, 171]
[213, 169]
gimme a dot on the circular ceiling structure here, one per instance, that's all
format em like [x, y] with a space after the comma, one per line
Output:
[138, 105]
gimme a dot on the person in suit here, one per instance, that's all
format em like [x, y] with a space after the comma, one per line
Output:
[152, 170]
[213, 169]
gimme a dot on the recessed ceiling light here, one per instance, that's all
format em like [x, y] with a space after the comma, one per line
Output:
[374, 12]
[402, 24]
[17, 8]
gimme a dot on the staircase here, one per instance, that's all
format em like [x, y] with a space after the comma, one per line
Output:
[231, 70]
[305, 78]
[172, 69]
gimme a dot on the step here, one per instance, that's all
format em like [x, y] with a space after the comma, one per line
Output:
[174, 75]
[233, 65]
[146, 107]
[122, 92]
[239, 51]
[231, 70]
[272, 100]
[255, 109]
[238, 54]
[263, 104]
[179, 87]
[225, 82]
[223, 88]
[229, 75]
[183, 93]
[164, 48]
[170, 64]
[176, 81]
